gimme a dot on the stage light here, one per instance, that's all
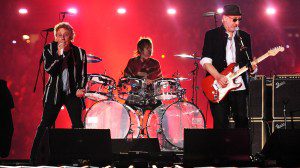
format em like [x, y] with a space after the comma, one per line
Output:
[23, 11]
[14, 41]
[220, 10]
[121, 10]
[72, 11]
[163, 56]
[270, 11]
[287, 46]
[171, 11]
[25, 37]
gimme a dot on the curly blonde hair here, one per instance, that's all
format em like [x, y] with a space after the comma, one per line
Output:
[67, 26]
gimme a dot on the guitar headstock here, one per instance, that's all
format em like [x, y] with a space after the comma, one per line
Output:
[275, 50]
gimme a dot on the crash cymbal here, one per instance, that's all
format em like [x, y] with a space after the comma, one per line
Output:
[93, 59]
[188, 56]
[182, 79]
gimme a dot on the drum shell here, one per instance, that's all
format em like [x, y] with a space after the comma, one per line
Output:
[119, 118]
[167, 123]
[166, 88]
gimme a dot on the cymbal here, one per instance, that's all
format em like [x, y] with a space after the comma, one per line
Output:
[188, 56]
[182, 79]
[93, 59]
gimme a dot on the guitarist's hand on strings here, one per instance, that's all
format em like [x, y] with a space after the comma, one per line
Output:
[222, 80]
[253, 65]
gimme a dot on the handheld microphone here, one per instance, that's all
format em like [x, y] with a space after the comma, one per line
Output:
[237, 30]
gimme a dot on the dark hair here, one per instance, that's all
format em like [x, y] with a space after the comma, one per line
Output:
[142, 43]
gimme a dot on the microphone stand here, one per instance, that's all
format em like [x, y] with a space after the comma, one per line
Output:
[39, 69]
[285, 102]
[249, 66]
[244, 48]
[215, 19]
[63, 16]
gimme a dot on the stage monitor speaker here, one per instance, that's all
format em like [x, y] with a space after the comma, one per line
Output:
[286, 91]
[136, 152]
[257, 97]
[216, 147]
[143, 145]
[283, 148]
[258, 134]
[289, 124]
[71, 146]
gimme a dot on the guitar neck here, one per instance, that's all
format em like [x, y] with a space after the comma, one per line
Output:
[245, 68]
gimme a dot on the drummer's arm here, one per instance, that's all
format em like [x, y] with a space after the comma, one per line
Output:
[155, 73]
[129, 70]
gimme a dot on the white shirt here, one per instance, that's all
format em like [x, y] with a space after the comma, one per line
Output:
[230, 58]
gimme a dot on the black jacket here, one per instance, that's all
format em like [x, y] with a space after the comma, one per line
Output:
[77, 67]
[215, 48]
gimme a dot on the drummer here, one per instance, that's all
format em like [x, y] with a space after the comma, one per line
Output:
[143, 67]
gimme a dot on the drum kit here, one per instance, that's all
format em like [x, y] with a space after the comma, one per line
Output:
[166, 122]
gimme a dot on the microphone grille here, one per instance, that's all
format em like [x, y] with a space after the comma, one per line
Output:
[237, 28]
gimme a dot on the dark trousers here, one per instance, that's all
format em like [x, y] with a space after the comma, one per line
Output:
[235, 105]
[6, 131]
[74, 106]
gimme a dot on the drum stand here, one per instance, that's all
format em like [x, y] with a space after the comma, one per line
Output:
[140, 113]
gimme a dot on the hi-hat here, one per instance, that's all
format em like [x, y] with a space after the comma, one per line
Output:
[93, 59]
[188, 56]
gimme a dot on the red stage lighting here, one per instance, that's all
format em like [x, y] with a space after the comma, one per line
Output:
[73, 10]
[220, 10]
[171, 11]
[23, 11]
[121, 10]
[270, 11]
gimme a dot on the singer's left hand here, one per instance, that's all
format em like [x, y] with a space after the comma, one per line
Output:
[80, 92]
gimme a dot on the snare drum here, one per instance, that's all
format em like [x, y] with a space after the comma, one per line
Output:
[119, 118]
[99, 87]
[167, 123]
[166, 88]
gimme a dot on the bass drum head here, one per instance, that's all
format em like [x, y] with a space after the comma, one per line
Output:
[176, 118]
[120, 119]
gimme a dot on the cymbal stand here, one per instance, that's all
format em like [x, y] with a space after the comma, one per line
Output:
[195, 87]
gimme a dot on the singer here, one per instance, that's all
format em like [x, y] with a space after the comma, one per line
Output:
[66, 65]
[222, 46]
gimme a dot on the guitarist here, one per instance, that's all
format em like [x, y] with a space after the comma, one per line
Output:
[222, 46]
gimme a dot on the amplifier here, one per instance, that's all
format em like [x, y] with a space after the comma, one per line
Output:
[257, 97]
[286, 93]
[290, 124]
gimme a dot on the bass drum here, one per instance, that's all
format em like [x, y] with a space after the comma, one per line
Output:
[119, 118]
[167, 123]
